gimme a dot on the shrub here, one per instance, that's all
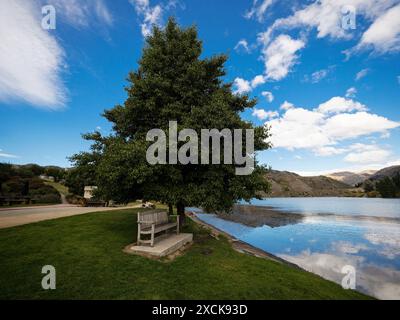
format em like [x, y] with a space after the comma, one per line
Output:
[48, 198]
[74, 199]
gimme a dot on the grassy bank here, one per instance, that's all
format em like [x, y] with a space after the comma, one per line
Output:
[87, 253]
[59, 187]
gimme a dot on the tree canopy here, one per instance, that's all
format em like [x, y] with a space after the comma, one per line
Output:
[173, 83]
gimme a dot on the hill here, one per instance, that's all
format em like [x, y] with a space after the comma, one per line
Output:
[350, 178]
[385, 172]
[21, 184]
[289, 184]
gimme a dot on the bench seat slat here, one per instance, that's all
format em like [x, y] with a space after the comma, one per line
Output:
[153, 222]
[159, 228]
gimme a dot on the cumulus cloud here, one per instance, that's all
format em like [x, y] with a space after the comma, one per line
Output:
[245, 86]
[258, 80]
[362, 153]
[286, 106]
[384, 33]
[262, 114]
[329, 151]
[322, 128]
[326, 17]
[151, 15]
[258, 9]
[242, 86]
[31, 59]
[280, 56]
[268, 95]
[340, 104]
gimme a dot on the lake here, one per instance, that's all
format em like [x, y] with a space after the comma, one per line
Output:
[333, 233]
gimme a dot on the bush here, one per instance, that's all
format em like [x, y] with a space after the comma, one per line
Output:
[74, 199]
[386, 188]
[14, 186]
[373, 194]
[48, 198]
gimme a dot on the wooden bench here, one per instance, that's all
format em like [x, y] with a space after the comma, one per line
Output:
[153, 222]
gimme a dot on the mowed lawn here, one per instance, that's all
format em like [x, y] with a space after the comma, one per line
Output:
[87, 253]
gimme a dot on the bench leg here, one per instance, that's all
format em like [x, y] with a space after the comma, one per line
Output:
[152, 234]
[138, 235]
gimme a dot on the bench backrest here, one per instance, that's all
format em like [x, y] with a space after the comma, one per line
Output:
[149, 217]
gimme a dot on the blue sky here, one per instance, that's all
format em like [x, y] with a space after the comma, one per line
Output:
[329, 92]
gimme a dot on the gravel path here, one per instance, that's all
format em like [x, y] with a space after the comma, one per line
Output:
[10, 217]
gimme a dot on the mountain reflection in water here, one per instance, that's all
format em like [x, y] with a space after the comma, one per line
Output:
[323, 242]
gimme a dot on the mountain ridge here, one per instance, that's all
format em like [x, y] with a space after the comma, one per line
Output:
[290, 184]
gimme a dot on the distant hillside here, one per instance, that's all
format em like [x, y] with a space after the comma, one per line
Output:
[385, 172]
[350, 178]
[289, 184]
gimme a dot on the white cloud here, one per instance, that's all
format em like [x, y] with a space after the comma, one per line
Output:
[242, 86]
[361, 74]
[351, 125]
[82, 13]
[280, 56]
[362, 153]
[245, 86]
[7, 155]
[340, 104]
[286, 106]
[321, 129]
[103, 13]
[351, 92]
[150, 15]
[326, 17]
[354, 168]
[328, 151]
[268, 95]
[258, 80]
[398, 79]
[243, 44]
[384, 33]
[258, 9]
[262, 114]
[31, 60]
[317, 76]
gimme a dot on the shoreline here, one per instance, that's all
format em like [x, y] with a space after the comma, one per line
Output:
[239, 245]
[257, 216]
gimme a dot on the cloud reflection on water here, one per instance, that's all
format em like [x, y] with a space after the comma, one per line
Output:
[324, 245]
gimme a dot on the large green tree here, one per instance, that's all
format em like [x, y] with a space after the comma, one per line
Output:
[173, 83]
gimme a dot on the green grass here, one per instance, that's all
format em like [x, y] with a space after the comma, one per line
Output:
[58, 186]
[87, 253]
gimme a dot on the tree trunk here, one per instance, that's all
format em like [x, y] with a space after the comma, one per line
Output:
[170, 209]
[180, 206]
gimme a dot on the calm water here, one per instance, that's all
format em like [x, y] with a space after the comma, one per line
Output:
[335, 232]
